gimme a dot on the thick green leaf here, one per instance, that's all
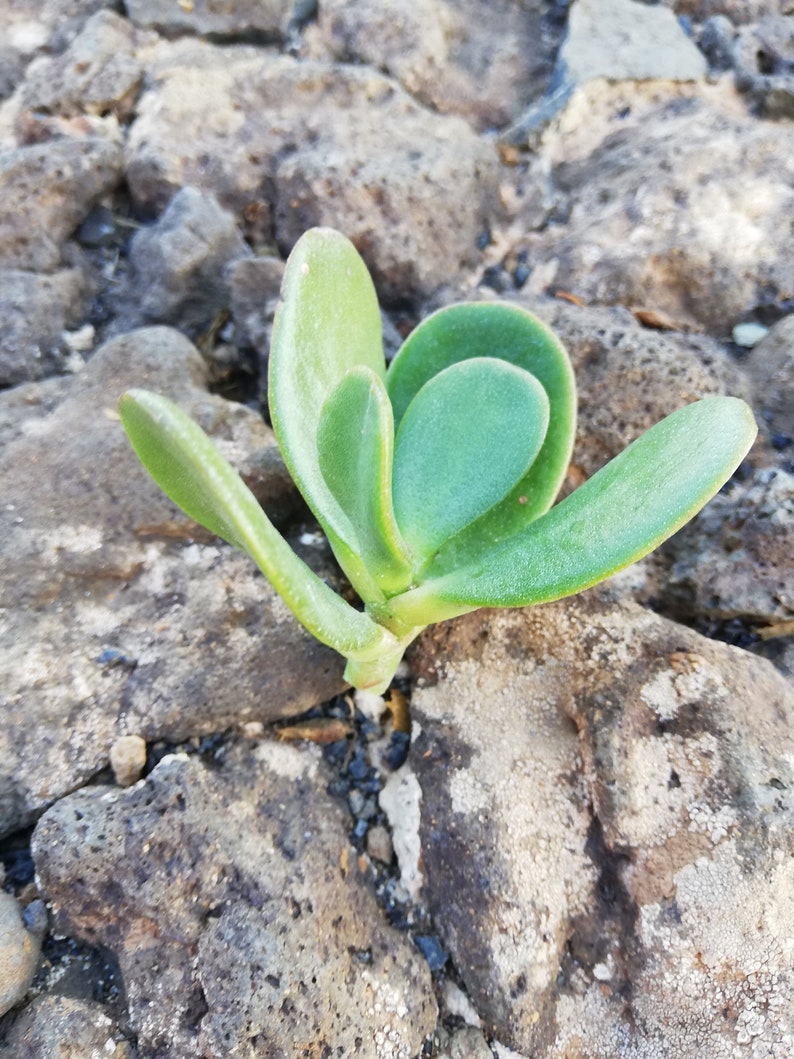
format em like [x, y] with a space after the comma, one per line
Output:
[328, 322]
[355, 442]
[467, 437]
[190, 470]
[623, 512]
[507, 332]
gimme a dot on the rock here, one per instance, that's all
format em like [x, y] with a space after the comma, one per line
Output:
[177, 265]
[97, 74]
[736, 559]
[128, 759]
[254, 292]
[765, 65]
[771, 370]
[19, 954]
[232, 901]
[623, 40]
[464, 1043]
[622, 884]
[31, 25]
[62, 1027]
[648, 227]
[432, 48]
[46, 190]
[120, 616]
[336, 145]
[717, 42]
[738, 11]
[34, 311]
[254, 20]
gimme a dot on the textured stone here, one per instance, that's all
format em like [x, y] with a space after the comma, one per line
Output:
[177, 265]
[623, 40]
[764, 57]
[128, 759]
[97, 74]
[119, 616]
[19, 954]
[650, 227]
[61, 1027]
[232, 901]
[445, 53]
[46, 190]
[323, 144]
[34, 311]
[771, 370]
[251, 19]
[622, 884]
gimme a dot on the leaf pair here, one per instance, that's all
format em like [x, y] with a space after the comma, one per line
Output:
[433, 481]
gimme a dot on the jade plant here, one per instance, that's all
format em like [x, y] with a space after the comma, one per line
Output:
[434, 480]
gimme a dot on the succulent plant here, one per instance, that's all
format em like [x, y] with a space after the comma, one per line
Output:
[434, 481]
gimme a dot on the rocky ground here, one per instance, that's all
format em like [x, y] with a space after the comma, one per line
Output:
[586, 851]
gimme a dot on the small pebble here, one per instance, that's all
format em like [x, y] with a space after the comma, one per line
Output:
[379, 845]
[19, 953]
[128, 759]
[749, 335]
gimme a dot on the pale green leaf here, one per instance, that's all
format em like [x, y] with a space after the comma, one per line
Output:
[328, 322]
[466, 439]
[506, 332]
[190, 470]
[355, 442]
[623, 512]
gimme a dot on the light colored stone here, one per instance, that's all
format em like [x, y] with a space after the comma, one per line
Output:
[252, 18]
[625, 40]
[19, 954]
[62, 1027]
[607, 831]
[128, 759]
[771, 370]
[233, 903]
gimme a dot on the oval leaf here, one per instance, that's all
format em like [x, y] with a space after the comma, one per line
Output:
[328, 322]
[190, 470]
[467, 437]
[508, 333]
[623, 512]
[355, 442]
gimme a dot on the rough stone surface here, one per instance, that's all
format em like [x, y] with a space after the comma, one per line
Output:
[46, 190]
[736, 559]
[771, 370]
[97, 74]
[263, 19]
[738, 11]
[764, 57]
[128, 759]
[259, 937]
[337, 145]
[34, 311]
[61, 1027]
[611, 792]
[649, 227]
[119, 616]
[19, 953]
[445, 53]
[623, 40]
[177, 265]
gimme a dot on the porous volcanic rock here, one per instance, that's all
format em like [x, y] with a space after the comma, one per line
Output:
[606, 830]
[232, 900]
[119, 616]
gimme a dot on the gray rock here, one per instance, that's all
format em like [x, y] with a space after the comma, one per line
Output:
[34, 311]
[248, 19]
[119, 615]
[606, 831]
[19, 953]
[97, 74]
[622, 40]
[231, 899]
[61, 1027]
[32, 25]
[649, 226]
[738, 11]
[717, 42]
[432, 48]
[736, 559]
[765, 65]
[771, 370]
[177, 265]
[337, 145]
[254, 291]
[46, 190]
